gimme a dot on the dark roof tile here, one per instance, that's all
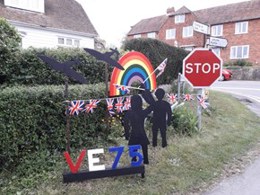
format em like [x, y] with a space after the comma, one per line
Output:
[148, 25]
[59, 14]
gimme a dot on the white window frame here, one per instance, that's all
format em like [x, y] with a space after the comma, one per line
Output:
[137, 36]
[239, 28]
[239, 52]
[216, 50]
[151, 35]
[187, 31]
[179, 18]
[67, 40]
[217, 30]
[170, 33]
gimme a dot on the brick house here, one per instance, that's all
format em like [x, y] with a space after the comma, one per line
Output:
[50, 23]
[239, 23]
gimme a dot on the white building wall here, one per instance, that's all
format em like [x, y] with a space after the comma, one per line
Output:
[41, 38]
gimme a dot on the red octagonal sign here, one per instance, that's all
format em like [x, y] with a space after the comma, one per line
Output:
[202, 68]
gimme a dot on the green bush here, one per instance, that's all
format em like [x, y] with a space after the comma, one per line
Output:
[30, 70]
[239, 62]
[184, 121]
[9, 47]
[33, 120]
[156, 51]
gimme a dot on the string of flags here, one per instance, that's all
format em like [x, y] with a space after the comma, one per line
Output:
[120, 104]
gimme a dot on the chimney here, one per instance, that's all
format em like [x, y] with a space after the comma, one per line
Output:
[170, 11]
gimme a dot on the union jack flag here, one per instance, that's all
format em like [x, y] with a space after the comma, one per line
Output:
[122, 88]
[127, 104]
[161, 67]
[110, 106]
[188, 97]
[119, 105]
[172, 98]
[90, 106]
[75, 107]
[202, 101]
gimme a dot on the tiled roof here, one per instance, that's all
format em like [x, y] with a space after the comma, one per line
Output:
[148, 25]
[230, 13]
[217, 15]
[182, 10]
[59, 14]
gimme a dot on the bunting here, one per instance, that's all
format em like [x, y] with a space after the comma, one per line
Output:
[172, 98]
[75, 107]
[202, 101]
[110, 106]
[90, 106]
[119, 105]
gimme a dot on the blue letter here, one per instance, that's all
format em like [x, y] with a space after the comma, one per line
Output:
[119, 151]
[133, 153]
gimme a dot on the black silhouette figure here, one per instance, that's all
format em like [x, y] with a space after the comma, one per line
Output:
[105, 57]
[134, 125]
[65, 68]
[162, 114]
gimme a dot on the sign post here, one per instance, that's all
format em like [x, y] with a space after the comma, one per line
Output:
[202, 28]
[201, 68]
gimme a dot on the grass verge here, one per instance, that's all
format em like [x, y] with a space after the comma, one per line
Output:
[185, 166]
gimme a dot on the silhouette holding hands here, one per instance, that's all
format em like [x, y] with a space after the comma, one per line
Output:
[162, 114]
[134, 125]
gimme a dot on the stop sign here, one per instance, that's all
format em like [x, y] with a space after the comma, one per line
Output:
[202, 68]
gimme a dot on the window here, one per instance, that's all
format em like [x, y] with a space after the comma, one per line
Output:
[179, 18]
[61, 41]
[32, 5]
[216, 51]
[70, 42]
[151, 35]
[170, 33]
[137, 36]
[239, 52]
[217, 30]
[188, 48]
[187, 31]
[241, 27]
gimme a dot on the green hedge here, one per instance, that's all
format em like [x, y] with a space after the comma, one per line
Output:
[33, 119]
[30, 70]
[156, 51]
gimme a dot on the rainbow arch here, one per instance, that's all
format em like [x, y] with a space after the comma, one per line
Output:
[137, 69]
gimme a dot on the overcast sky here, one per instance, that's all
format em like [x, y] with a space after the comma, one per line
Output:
[113, 18]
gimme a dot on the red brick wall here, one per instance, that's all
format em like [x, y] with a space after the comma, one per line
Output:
[252, 38]
[196, 39]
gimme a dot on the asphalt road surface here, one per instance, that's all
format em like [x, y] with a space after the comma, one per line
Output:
[248, 182]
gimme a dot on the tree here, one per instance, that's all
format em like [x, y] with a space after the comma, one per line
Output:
[9, 48]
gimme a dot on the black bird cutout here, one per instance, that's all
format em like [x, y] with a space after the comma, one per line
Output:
[105, 57]
[65, 68]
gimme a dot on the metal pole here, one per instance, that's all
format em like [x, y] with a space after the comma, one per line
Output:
[106, 78]
[199, 92]
[179, 87]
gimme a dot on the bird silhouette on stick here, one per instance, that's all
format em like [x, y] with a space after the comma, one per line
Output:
[65, 68]
[106, 57]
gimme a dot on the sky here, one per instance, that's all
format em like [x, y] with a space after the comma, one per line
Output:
[113, 18]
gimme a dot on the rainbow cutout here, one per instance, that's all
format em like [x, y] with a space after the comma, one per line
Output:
[137, 68]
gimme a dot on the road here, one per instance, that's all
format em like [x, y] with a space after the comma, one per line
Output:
[248, 182]
[247, 91]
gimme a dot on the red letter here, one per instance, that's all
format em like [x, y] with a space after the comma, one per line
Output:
[75, 168]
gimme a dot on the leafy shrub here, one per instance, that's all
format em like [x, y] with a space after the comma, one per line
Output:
[239, 62]
[9, 47]
[156, 51]
[30, 70]
[33, 119]
[184, 121]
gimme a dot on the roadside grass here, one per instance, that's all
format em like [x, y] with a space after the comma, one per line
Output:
[187, 165]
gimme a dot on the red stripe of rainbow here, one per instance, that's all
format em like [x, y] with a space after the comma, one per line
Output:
[137, 68]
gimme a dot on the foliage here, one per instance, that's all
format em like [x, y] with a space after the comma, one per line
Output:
[156, 51]
[33, 120]
[239, 62]
[184, 121]
[30, 70]
[9, 47]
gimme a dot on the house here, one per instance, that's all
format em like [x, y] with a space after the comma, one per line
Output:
[238, 23]
[49, 23]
